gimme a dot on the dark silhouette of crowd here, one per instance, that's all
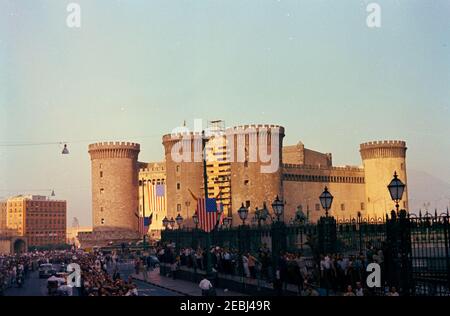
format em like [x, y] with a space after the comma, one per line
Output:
[333, 274]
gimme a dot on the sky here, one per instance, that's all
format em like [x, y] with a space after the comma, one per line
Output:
[137, 69]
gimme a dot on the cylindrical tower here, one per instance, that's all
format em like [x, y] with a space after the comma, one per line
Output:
[184, 172]
[381, 159]
[256, 170]
[114, 186]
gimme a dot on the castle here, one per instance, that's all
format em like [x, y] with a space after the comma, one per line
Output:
[121, 185]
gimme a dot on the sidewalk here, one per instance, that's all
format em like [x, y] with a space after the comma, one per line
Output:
[179, 286]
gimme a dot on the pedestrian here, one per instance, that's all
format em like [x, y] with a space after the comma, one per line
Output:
[359, 289]
[349, 291]
[278, 283]
[245, 266]
[251, 265]
[174, 267]
[393, 292]
[206, 287]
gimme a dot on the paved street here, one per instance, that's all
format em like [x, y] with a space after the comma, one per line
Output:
[144, 289]
[34, 286]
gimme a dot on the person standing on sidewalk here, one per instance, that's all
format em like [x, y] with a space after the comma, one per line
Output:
[206, 287]
[144, 271]
[174, 267]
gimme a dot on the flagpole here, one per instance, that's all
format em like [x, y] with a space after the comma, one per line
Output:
[205, 184]
[143, 212]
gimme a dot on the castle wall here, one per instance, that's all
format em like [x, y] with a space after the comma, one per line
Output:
[182, 176]
[114, 176]
[299, 155]
[381, 159]
[312, 157]
[294, 154]
[249, 185]
[303, 184]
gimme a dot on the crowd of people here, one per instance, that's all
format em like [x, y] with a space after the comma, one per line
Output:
[336, 274]
[13, 270]
[97, 281]
[333, 274]
[94, 279]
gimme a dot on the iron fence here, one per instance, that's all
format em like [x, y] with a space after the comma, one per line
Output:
[415, 249]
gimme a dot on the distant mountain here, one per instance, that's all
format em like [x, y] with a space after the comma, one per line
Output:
[427, 192]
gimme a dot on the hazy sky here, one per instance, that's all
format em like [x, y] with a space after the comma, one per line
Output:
[137, 69]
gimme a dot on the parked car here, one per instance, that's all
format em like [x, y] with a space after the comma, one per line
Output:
[46, 270]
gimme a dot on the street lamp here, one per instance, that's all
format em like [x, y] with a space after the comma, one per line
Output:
[179, 220]
[396, 189]
[278, 207]
[299, 216]
[225, 222]
[165, 222]
[243, 212]
[195, 219]
[264, 213]
[326, 199]
[65, 150]
[172, 222]
[257, 216]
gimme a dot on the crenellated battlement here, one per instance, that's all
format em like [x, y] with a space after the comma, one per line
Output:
[317, 167]
[152, 167]
[383, 143]
[181, 135]
[103, 150]
[383, 149]
[114, 145]
[243, 129]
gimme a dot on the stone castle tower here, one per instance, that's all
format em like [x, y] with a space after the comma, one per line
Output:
[114, 186]
[249, 185]
[381, 159]
[184, 175]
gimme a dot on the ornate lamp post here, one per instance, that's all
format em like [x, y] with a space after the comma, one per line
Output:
[195, 219]
[165, 222]
[256, 217]
[195, 233]
[300, 217]
[227, 222]
[264, 213]
[326, 199]
[327, 225]
[243, 213]
[278, 207]
[396, 188]
[172, 223]
[179, 220]
[278, 231]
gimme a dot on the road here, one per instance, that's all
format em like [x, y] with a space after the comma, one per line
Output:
[34, 286]
[144, 289]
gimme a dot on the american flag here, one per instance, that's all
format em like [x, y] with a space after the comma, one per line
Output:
[207, 214]
[144, 224]
[157, 198]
